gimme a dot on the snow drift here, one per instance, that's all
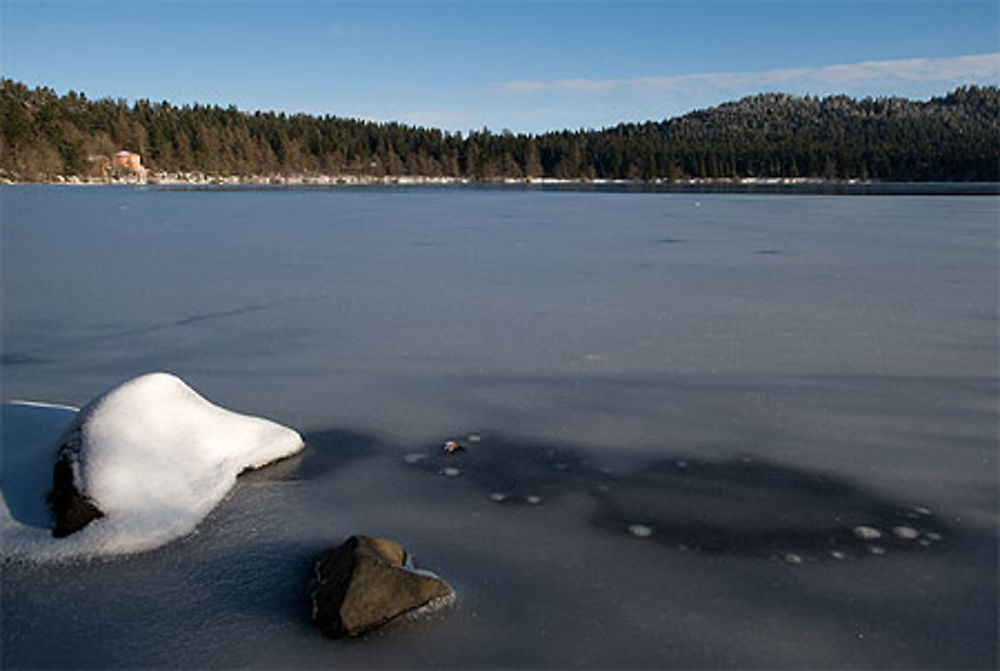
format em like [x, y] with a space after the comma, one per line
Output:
[151, 454]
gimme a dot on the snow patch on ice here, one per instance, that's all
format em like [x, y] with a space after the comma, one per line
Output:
[27, 431]
[155, 457]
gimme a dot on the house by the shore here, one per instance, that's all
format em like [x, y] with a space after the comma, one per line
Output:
[128, 160]
[122, 165]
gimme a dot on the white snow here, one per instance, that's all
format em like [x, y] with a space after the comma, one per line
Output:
[155, 457]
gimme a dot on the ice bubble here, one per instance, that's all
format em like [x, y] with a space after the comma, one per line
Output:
[905, 533]
[474, 438]
[450, 472]
[640, 530]
[415, 457]
[876, 549]
[792, 558]
[836, 554]
[498, 497]
[867, 533]
[533, 499]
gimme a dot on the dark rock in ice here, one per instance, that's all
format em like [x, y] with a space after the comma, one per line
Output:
[71, 510]
[453, 447]
[366, 582]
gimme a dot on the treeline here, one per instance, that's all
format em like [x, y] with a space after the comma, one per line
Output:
[952, 138]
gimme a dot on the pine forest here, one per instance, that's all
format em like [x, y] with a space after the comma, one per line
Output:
[956, 137]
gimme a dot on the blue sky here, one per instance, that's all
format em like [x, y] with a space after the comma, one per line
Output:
[526, 66]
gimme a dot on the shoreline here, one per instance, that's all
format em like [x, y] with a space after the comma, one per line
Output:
[782, 185]
[202, 179]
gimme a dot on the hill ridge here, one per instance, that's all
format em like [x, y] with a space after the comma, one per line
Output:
[954, 137]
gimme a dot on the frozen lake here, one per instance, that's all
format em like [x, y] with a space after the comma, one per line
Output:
[746, 376]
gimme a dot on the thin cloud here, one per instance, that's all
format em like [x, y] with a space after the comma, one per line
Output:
[981, 68]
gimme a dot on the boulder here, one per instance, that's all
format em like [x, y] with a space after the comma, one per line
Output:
[366, 582]
[153, 457]
[71, 510]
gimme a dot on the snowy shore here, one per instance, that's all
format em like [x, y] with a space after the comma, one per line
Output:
[199, 178]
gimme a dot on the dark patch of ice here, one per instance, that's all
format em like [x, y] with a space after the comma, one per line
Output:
[754, 508]
[743, 507]
[325, 451]
[520, 469]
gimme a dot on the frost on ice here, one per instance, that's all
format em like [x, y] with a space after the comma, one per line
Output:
[151, 454]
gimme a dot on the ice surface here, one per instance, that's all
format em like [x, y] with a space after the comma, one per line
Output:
[399, 318]
[155, 457]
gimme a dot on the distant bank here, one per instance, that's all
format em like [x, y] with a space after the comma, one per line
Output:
[773, 137]
[800, 186]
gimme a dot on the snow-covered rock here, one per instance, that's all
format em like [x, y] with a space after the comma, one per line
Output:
[153, 457]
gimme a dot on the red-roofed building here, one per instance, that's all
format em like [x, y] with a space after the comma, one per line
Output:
[128, 160]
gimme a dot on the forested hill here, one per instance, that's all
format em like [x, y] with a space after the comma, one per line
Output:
[952, 138]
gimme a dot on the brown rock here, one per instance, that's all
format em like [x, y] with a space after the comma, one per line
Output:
[365, 583]
[71, 510]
